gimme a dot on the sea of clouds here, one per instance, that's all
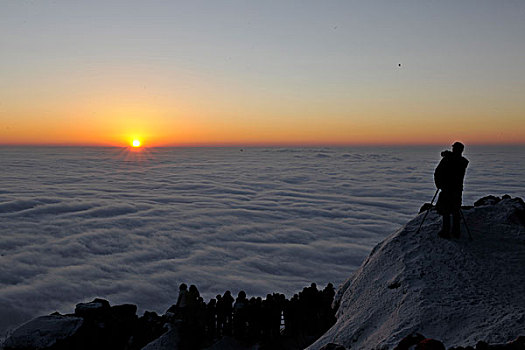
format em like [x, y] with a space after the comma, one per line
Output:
[78, 223]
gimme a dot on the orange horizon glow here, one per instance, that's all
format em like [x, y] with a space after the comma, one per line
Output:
[107, 114]
[320, 143]
[164, 126]
[116, 116]
[184, 122]
[175, 134]
[200, 135]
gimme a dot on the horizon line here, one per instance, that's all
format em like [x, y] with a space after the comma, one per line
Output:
[258, 145]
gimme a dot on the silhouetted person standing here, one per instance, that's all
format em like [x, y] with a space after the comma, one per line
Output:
[179, 309]
[221, 315]
[211, 321]
[227, 300]
[239, 315]
[448, 177]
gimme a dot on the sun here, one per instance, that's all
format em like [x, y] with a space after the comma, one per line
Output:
[136, 143]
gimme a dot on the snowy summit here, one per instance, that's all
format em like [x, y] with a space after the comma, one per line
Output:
[458, 291]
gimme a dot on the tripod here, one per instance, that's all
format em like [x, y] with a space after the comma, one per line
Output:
[460, 211]
[424, 217]
[465, 222]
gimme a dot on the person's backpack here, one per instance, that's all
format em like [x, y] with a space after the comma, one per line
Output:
[441, 170]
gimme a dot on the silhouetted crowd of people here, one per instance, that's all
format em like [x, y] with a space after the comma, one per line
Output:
[252, 320]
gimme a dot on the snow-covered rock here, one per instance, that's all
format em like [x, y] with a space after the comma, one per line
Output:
[43, 332]
[458, 291]
[168, 341]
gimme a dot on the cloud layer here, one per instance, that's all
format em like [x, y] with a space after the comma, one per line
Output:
[77, 223]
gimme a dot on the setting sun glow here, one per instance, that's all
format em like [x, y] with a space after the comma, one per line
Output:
[135, 143]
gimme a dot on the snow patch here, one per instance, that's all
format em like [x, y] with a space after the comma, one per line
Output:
[43, 332]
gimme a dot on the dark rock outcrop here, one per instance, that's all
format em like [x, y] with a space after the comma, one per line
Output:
[94, 309]
[94, 325]
[487, 200]
[409, 341]
[430, 344]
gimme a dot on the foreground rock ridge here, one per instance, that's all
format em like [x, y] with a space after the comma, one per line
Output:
[459, 291]
[188, 324]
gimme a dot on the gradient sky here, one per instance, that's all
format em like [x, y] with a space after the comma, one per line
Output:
[261, 72]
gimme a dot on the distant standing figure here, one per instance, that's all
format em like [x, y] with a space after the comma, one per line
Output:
[180, 307]
[449, 177]
[227, 300]
[183, 292]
